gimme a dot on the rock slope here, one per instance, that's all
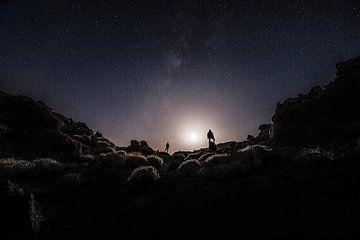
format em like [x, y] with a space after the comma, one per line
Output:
[327, 116]
[30, 129]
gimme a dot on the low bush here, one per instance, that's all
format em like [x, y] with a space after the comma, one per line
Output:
[38, 167]
[224, 171]
[174, 161]
[47, 166]
[70, 180]
[9, 188]
[144, 174]
[112, 159]
[312, 155]
[216, 159]
[252, 156]
[194, 155]
[204, 157]
[155, 161]
[133, 161]
[189, 168]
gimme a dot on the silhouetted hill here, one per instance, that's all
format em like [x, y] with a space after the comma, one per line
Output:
[31, 129]
[327, 116]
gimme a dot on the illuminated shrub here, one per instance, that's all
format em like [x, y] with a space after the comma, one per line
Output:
[133, 161]
[174, 161]
[252, 156]
[47, 166]
[216, 159]
[155, 161]
[144, 174]
[194, 156]
[204, 157]
[112, 159]
[189, 168]
[38, 167]
[312, 155]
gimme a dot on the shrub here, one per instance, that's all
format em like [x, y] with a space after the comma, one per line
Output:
[38, 167]
[104, 147]
[82, 138]
[194, 156]
[216, 159]
[144, 174]
[14, 167]
[204, 157]
[70, 179]
[134, 161]
[256, 149]
[312, 155]
[89, 158]
[51, 143]
[112, 159]
[121, 152]
[189, 168]
[155, 161]
[174, 161]
[9, 188]
[224, 171]
[252, 156]
[47, 166]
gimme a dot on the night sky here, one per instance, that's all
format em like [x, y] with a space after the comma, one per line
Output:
[170, 70]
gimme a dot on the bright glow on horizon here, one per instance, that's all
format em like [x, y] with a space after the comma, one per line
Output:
[193, 137]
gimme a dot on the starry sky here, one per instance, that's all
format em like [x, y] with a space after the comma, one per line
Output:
[165, 70]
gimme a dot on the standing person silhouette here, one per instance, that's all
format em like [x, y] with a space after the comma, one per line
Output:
[210, 136]
[212, 145]
[167, 147]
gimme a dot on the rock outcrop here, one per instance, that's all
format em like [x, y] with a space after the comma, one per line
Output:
[30, 129]
[141, 147]
[327, 116]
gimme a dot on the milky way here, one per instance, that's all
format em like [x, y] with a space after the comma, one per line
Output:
[152, 69]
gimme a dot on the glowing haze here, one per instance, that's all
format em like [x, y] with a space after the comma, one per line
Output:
[168, 71]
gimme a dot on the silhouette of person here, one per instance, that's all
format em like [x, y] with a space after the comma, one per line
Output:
[167, 147]
[210, 136]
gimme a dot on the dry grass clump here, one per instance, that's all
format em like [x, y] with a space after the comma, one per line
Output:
[189, 168]
[38, 167]
[144, 174]
[155, 161]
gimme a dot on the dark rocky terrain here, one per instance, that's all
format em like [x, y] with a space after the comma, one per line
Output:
[297, 179]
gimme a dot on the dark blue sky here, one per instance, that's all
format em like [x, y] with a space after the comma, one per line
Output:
[162, 70]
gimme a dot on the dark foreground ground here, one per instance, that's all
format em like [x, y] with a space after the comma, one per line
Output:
[311, 202]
